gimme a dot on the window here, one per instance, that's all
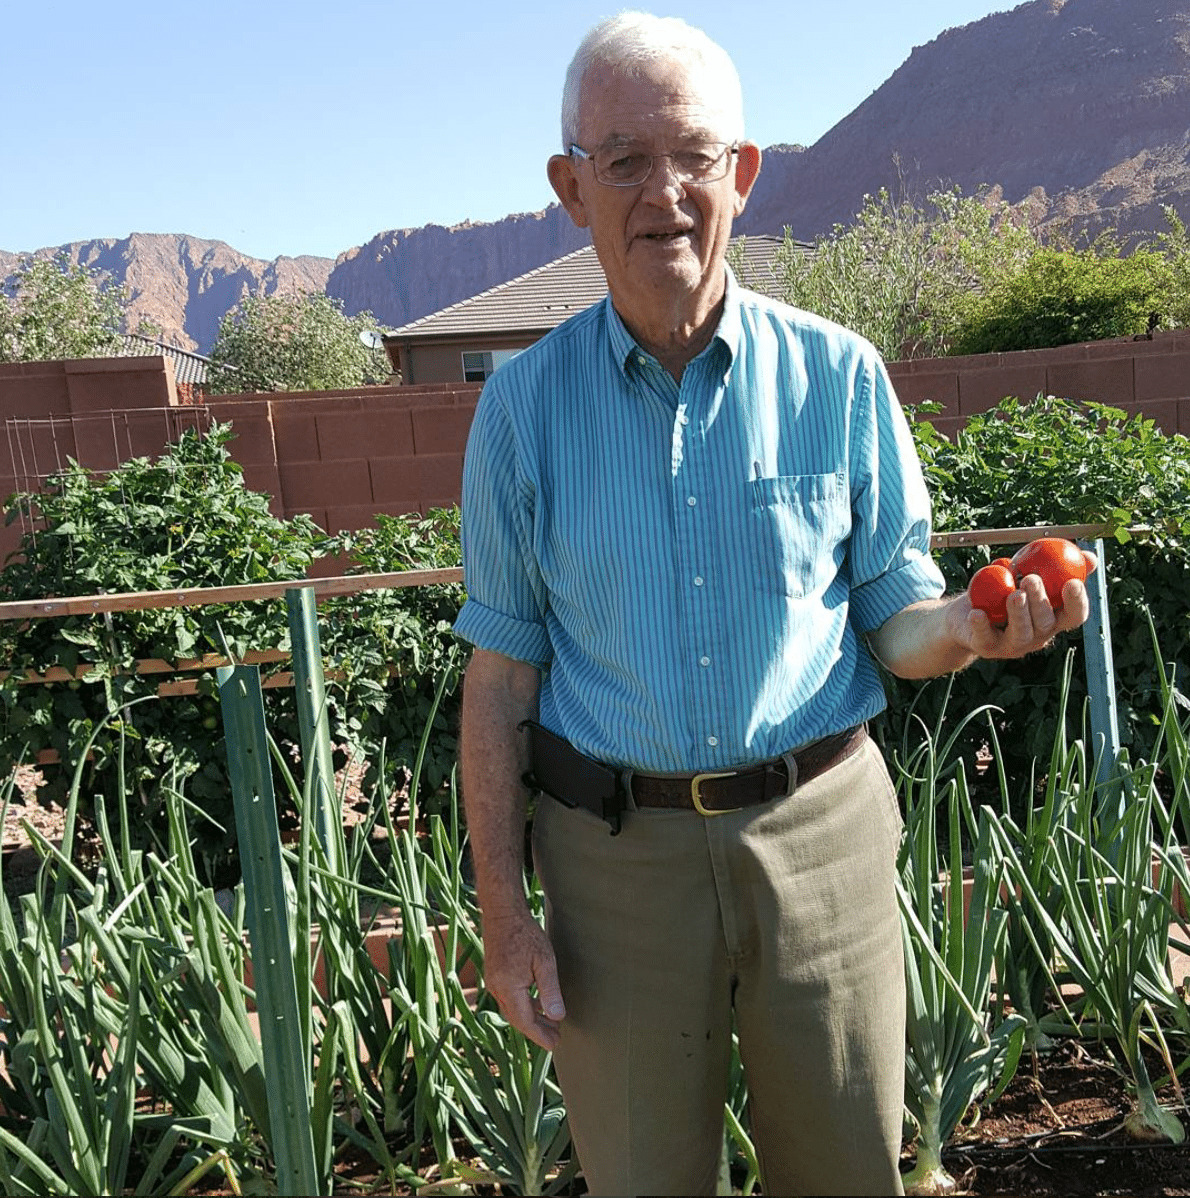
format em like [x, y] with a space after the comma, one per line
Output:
[479, 364]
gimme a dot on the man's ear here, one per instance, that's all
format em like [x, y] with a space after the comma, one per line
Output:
[747, 167]
[560, 171]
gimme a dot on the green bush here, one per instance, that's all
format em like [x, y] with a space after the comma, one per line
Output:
[1054, 461]
[1063, 296]
[53, 308]
[389, 649]
[962, 274]
[303, 342]
[901, 273]
[187, 521]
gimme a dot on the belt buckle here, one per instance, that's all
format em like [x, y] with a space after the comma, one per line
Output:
[696, 797]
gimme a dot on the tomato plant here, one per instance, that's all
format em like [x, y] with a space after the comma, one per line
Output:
[187, 520]
[1048, 460]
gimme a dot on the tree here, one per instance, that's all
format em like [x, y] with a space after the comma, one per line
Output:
[901, 275]
[51, 308]
[300, 342]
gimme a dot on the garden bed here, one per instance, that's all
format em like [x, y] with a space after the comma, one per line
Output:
[1056, 1133]
[1060, 1133]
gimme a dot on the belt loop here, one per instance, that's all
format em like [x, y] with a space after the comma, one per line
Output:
[790, 759]
[626, 775]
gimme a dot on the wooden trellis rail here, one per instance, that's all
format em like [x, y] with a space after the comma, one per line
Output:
[1096, 632]
[345, 584]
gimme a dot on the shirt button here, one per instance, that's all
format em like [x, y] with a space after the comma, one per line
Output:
[641, 360]
[698, 580]
[712, 741]
[691, 500]
[704, 661]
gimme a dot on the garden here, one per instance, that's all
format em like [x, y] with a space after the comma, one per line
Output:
[249, 961]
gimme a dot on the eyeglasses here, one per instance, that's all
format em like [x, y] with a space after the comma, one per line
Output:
[628, 166]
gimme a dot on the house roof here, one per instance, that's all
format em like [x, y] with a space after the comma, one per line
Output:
[542, 299]
[189, 367]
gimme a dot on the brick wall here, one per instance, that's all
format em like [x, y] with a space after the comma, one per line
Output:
[99, 411]
[343, 456]
[1152, 377]
[340, 456]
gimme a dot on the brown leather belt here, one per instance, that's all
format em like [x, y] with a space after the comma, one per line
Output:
[561, 771]
[717, 793]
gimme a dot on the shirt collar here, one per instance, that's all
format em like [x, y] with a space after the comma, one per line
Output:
[728, 332]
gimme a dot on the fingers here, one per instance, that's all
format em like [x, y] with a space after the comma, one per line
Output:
[1032, 621]
[522, 1008]
[536, 1010]
[1035, 622]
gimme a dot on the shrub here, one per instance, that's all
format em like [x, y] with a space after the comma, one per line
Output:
[1064, 296]
[901, 273]
[302, 342]
[52, 308]
[1060, 462]
[187, 521]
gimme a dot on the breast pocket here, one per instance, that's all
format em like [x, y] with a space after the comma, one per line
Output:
[800, 523]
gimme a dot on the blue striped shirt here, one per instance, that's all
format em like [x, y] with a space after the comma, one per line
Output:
[693, 567]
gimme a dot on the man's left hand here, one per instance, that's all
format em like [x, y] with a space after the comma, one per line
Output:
[1032, 621]
[938, 636]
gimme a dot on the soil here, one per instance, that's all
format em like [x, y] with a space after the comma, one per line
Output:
[20, 861]
[1056, 1132]
[1060, 1132]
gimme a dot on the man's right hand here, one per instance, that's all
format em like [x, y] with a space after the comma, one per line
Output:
[520, 971]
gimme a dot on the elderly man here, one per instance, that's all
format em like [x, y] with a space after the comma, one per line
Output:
[692, 519]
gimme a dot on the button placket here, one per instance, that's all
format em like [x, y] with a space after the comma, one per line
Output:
[693, 487]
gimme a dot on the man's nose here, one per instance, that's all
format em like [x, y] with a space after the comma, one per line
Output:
[663, 183]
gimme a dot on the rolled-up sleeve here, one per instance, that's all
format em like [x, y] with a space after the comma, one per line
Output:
[891, 566]
[506, 599]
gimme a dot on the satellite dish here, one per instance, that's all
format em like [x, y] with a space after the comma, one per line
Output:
[372, 339]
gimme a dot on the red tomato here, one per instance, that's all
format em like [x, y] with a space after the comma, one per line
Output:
[1055, 561]
[989, 589]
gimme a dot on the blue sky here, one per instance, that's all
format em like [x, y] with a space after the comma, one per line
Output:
[307, 128]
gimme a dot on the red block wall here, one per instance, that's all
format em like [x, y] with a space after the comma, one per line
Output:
[1152, 377]
[343, 456]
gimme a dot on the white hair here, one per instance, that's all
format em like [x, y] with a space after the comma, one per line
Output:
[630, 42]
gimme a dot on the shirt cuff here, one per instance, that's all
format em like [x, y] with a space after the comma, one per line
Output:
[875, 601]
[486, 628]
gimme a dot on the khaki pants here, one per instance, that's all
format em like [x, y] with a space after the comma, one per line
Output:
[784, 914]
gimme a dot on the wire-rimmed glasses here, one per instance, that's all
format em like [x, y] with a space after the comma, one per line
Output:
[628, 166]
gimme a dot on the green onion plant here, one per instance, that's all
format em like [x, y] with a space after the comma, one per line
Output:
[955, 1049]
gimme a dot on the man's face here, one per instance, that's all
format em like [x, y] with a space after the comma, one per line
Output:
[660, 241]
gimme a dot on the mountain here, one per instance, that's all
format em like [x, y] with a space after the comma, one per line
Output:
[184, 285]
[1079, 107]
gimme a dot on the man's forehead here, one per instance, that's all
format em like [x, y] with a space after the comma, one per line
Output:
[618, 105]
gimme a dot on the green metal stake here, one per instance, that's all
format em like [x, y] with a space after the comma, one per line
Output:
[282, 1040]
[313, 724]
[1101, 688]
